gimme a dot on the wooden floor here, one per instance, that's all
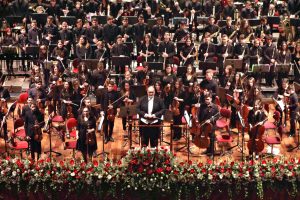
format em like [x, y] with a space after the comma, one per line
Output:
[119, 147]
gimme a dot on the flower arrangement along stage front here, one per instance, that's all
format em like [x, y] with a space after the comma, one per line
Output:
[151, 174]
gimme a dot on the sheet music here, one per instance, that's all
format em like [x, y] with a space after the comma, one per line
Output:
[280, 103]
[149, 121]
[187, 119]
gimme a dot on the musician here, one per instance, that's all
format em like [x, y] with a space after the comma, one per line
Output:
[83, 75]
[209, 83]
[208, 112]
[126, 30]
[33, 120]
[91, 7]
[54, 89]
[98, 76]
[212, 7]
[241, 51]
[255, 53]
[223, 51]
[236, 103]
[158, 89]
[50, 32]
[145, 75]
[296, 57]
[158, 31]
[293, 108]
[228, 29]
[9, 41]
[169, 77]
[148, 50]
[248, 12]
[229, 10]
[78, 30]
[166, 50]
[139, 30]
[53, 9]
[150, 109]
[127, 79]
[77, 11]
[66, 36]
[83, 48]
[36, 76]
[110, 32]
[263, 29]
[246, 30]
[177, 108]
[38, 94]
[211, 27]
[284, 57]
[86, 142]
[188, 52]
[60, 53]
[129, 99]
[22, 42]
[182, 33]
[190, 76]
[67, 98]
[282, 94]
[106, 100]
[226, 76]
[120, 49]
[206, 49]
[270, 57]
[94, 32]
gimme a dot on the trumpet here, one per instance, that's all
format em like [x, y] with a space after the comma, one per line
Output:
[162, 5]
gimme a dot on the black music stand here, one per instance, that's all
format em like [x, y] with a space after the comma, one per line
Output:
[91, 64]
[129, 46]
[49, 122]
[237, 64]
[260, 68]
[168, 117]
[181, 71]
[101, 19]
[207, 65]
[128, 112]
[283, 68]
[222, 23]
[121, 60]
[41, 18]
[254, 22]
[178, 20]
[273, 20]
[138, 90]
[9, 50]
[12, 20]
[202, 20]
[71, 20]
[156, 66]
[295, 22]
[131, 19]
[151, 23]
[32, 51]
[99, 128]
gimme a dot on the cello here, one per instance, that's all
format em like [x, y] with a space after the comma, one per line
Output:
[255, 144]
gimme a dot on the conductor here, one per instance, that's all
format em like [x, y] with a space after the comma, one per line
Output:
[150, 109]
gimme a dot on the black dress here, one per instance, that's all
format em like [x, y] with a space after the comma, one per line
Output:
[82, 133]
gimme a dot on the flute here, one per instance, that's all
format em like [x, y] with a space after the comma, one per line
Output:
[188, 55]
[147, 54]
[165, 57]
[225, 53]
[205, 57]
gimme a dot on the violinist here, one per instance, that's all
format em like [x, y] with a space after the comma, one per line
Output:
[190, 76]
[282, 95]
[293, 108]
[253, 97]
[36, 75]
[188, 52]
[129, 99]
[158, 89]
[209, 83]
[235, 103]
[83, 75]
[33, 119]
[169, 77]
[148, 49]
[86, 142]
[109, 110]
[54, 89]
[177, 108]
[128, 79]
[67, 106]
[38, 94]
[145, 75]
[207, 111]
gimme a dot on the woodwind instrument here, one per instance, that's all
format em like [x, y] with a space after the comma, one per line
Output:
[165, 58]
[225, 53]
[37, 40]
[257, 56]
[188, 55]
[205, 57]
[102, 55]
[147, 54]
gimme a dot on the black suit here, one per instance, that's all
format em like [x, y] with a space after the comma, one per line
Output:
[150, 133]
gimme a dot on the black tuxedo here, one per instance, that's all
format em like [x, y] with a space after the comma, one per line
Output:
[150, 133]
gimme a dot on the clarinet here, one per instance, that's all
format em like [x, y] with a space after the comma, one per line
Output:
[206, 51]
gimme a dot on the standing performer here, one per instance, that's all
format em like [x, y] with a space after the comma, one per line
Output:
[150, 109]
[293, 107]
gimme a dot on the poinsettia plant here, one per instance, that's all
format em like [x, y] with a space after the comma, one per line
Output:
[146, 169]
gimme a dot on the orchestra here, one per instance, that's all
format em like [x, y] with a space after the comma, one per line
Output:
[181, 56]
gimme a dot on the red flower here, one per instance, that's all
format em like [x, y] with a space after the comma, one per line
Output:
[203, 170]
[192, 171]
[140, 169]
[275, 160]
[107, 165]
[48, 172]
[167, 162]
[190, 162]
[95, 163]
[290, 167]
[174, 154]
[159, 170]
[273, 169]
[72, 162]
[181, 163]
[48, 160]
[8, 158]
[200, 165]
[168, 169]
[119, 162]
[82, 165]
[150, 171]
[176, 172]
[134, 161]
[264, 162]
[231, 164]
[61, 163]
[209, 161]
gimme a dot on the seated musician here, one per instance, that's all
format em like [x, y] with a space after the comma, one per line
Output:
[226, 77]
[209, 83]
[145, 75]
[188, 52]
[147, 52]
[223, 51]
[293, 108]
[212, 28]
[158, 31]
[190, 76]
[99, 76]
[284, 57]
[86, 142]
[33, 119]
[101, 53]
[182, 33]
[127, 79]
[207, 49]
[281, 95]
[248, 12]
[169, 77]
[150, 109]
[129, 99]
[228, 29]
[208, 113]
[126, 30]
[60, 53]
[109, 104]
[235, 103]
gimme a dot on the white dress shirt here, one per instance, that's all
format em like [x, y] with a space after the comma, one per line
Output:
[150, 105]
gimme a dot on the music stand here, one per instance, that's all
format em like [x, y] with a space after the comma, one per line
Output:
[127, 112]
[103, 142]
[156, 66]
[101, 19]
[202, 20]
[222, 23]
[32, 51]
[120, 60]
[91, 64]
[254, 22]
[295, 22]
[181, 71]
[237, 64]
[178, 20]
[151, 23]
[71, 20]
[131, 19]
[138, 90]
[260, 68]
[8, 50]
[273, 20]
[41, 18]
[207, 65]
[129, 46]
[12, 20]
[283, 68]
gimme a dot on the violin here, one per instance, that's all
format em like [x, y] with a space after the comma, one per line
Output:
[175, 107]
[90, 135]
[37, 132]
[110, 113]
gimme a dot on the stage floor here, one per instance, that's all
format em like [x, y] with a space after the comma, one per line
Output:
[119, 147]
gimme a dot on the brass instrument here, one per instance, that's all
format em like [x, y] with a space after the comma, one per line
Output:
[247, 39]
[162, 5]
